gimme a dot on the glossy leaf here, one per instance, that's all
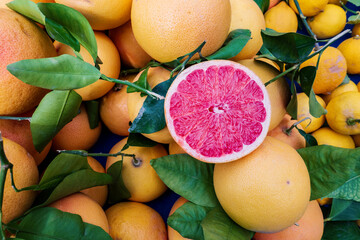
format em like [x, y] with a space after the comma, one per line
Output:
[67, 17]
[234, 43]
[330, 167]
[218, 225]
[181, 172]
[138, 140]
[27, 8]
[310, 140]
[341, 231]
[142, 82]
[151, 117]
[263, 5]
[349, 191]
[64, 72]
[55, 110]
[287, 47]
[117, 189]
[354, 19]
[291, 108]
[344, 210]
[355, 2]
[186, 220]
[59, 33]
[92, 110]
[50, 223]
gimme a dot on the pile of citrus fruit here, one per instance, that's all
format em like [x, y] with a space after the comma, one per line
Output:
[164, 119]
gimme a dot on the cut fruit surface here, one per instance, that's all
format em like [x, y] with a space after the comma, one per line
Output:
[217, 111]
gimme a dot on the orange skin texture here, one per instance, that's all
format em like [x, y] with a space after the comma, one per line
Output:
[25, 174]
[273, 3]
[77, 134]
[173, 234]
[350, 48]
[88, 209]
[175, 148]
[131, 53]
[311, 227]
[293, 138]
[20, 39]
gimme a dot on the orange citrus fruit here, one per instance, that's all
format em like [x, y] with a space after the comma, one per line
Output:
[265, 191]
[328, 23]
[327, 136]
[281, 18]
[246, 14]
[309, 7]
[273, 3]
[88, 209]
[135, 221]
[102, 15]
[98, 193]
[131, 54]
[168, 29]
[25, 174]
[343, 113]
[173, 234]
[174, 148]
[331, 71]
[348, 87]
[156, 75]
[110, 57]
[278, 91]
[77, 134]
[309, 227]
[356, 30]
[356, 139]
[20, 39]
[303, 111]
[139, 177]
[292, 137]
[114, 110]
[218, 111]
[350, 48]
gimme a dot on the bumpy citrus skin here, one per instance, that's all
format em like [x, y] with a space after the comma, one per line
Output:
[348, 87]
[350, 48]
[168, 29]
[303, 111]
[265, 191]
[281, 18]
[20, 39]
[309, 7]
[326, 135]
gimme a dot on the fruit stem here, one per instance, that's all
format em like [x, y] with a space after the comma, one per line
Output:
[125, 82]
[86, 154]
[5, 165]
[287, 131]
[352, 121]
[15, 118]
[282, 74]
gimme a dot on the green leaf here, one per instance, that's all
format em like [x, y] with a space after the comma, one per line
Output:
[234, 43]
[330, 167]
[355, 2]
[291, 108]
[64, 72]
[218, 225]
[55, 110]
[138, 140]
[344, 210]
[354, 19]
[349, 191]
[287, 47]
[307, 77]
[27, 8]
[310, 140]
[341, 231]
[50, 223]
[59, 33]
[117, 189]
[151, 117]
[92, 109]
[187, 220]
[263, 4]
[142, 82]
[181, 172]
[67, 17]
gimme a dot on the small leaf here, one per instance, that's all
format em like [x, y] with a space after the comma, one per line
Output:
[27, 8]
[151, 117]
[59, 33]
[117, 189]
[292, 105]
[310, 140]
[263, 5]
[181, 172]
[354, 19]
[186, 220]
[355, 2]
[66, 17]
[341, 231]
[349, 191]
[218, 225]
[50, 223]
[55, 110]
[344, 210]
[330, 167]
[142, 82]
[288, 47]
[234, 43]
[92, 110]
[138, 140]
[64, 72]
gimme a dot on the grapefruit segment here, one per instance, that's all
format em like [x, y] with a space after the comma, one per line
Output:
[217, 111]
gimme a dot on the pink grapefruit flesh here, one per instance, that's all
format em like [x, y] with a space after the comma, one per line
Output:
[217, 111]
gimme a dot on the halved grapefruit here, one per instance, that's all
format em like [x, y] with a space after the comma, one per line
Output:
[217, 111]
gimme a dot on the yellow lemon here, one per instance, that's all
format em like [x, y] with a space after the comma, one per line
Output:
[350, 48]
[309, 7]
[348, 87]
[303, 111]
[327, 136]
[281, 18]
